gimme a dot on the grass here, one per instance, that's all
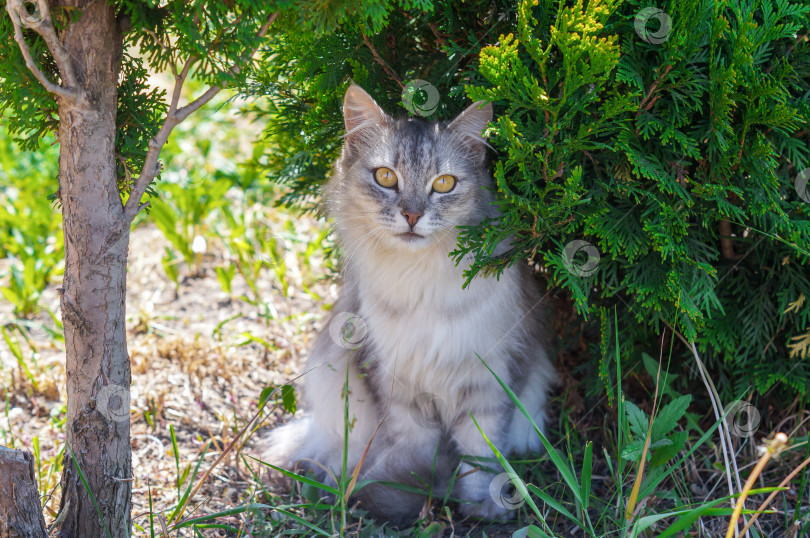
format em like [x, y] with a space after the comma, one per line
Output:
[653, 453]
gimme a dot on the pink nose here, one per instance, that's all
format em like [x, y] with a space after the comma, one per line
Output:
[412, 217]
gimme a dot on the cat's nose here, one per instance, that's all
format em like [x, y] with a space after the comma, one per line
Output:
[412, 217]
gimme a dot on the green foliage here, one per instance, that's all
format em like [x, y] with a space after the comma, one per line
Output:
[670, 154]
[28, 109]
[649, 151]
[662, 435]
[30, 228]
[215, 40]
[185, 213]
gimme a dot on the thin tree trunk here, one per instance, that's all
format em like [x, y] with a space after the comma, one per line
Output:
[93, 296]
[20, 512]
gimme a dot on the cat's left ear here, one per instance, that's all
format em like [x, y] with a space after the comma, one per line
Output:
[470, 124]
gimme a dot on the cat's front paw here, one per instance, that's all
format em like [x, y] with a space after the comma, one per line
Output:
[488, 496]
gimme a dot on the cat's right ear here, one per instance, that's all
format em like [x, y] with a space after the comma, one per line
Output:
[361, 114]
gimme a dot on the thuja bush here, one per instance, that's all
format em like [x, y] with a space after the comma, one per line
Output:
[652, 160]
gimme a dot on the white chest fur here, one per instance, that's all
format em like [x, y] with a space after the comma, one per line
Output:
[427, 332]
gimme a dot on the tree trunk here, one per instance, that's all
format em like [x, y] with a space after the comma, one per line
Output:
[20, 511]
[93, 297]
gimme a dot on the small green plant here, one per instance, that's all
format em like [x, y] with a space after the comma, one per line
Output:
[225, 277]
[611, 517]
[170, 263]
[30, 228]
[184, 214]
[658, 432]
[25, 285]
[13, 343]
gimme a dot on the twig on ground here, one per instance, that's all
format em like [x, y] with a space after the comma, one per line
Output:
[771, 448]
[773, 494]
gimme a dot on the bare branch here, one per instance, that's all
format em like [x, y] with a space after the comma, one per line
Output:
[178, 84]
[195, 105]
[650, 99]
[41, 23]
[387, 68]
[157, 40]
[174, 116]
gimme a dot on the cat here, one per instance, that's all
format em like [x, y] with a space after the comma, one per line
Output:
[408, 333]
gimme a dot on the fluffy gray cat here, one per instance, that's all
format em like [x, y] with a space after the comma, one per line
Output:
[407, 332]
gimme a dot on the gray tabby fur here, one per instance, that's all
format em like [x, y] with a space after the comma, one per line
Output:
[418, 365]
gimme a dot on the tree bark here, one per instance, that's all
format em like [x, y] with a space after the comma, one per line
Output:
[93, 297]
[20, 511]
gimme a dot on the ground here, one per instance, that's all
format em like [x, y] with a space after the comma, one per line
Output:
[200, 360]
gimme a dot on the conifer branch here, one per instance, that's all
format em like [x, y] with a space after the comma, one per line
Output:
[41, 23]
[379, 60]
[650, 99]
[174, 116]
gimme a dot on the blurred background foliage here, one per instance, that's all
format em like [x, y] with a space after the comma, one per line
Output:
[30, 230]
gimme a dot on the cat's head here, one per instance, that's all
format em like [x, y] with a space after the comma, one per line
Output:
[408, 183]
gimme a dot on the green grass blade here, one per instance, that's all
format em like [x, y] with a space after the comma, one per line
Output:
[561, 463]
[516, 481]
[184, 498]
[533, 532]
[303, 522]
[221, 526]
[300, 478]
[587, 468]
[151, 510]
[176, 459]
[553, 503]
[88, 490]
[15, 349]
[196, 520]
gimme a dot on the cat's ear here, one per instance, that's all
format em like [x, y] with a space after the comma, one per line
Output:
[470, 124]
[360, 113]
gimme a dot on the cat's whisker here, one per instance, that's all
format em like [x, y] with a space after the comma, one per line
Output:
[360, 242]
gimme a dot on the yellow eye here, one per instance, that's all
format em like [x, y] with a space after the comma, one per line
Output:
[444, 183]
[385, 177]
